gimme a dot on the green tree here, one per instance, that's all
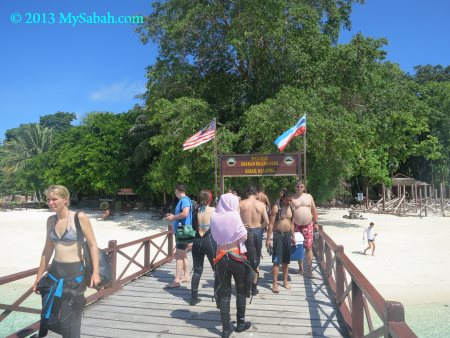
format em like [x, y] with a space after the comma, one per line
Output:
[22, 154]
[92, 157]
[177, 121]
[58, 122]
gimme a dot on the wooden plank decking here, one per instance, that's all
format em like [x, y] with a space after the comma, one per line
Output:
[144, 308]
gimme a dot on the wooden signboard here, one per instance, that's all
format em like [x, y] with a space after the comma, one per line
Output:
[240, 165]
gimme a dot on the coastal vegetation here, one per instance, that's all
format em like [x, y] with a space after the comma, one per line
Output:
[255, 66]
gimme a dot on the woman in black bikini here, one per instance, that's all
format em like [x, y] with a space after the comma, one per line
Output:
[62, 288]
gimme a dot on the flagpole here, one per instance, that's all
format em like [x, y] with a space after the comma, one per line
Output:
[215, 160]
[304, 161]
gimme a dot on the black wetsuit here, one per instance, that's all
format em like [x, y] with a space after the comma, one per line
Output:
[202, 246]
[62, 311]
[230, 266]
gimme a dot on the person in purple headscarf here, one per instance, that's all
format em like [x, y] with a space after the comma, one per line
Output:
[230, 234]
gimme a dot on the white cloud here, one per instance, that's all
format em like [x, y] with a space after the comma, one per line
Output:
[118, 91]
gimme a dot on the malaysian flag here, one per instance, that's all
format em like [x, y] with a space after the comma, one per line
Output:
[203, 136]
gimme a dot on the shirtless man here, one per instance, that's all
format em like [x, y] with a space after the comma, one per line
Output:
[305, 221]
[261, 196]
[254, 215]
[282, 226]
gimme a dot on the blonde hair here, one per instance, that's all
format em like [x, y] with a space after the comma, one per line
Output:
[59, 190]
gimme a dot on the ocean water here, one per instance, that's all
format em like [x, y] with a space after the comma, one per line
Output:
[429, 320]
[17, 320]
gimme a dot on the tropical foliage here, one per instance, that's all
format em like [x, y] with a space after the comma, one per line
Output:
[255, 66]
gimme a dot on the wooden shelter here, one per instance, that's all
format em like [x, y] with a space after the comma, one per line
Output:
[410, 196]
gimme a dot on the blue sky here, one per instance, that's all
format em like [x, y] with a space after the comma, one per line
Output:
[47, 68]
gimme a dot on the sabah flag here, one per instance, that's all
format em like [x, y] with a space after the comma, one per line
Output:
[203, 136]
[300, 128]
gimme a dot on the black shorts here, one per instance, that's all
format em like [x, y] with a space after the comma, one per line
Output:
[182, 246]
[281, 247]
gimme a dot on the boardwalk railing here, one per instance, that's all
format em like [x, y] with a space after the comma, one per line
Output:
[354, 293]
[151, 252]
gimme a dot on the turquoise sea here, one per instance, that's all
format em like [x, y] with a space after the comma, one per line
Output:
[429, 320]
[16, 321]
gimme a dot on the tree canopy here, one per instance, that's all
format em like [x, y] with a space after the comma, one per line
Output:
[257, 67]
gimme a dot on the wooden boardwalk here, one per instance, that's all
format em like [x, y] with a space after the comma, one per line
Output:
[144, 308]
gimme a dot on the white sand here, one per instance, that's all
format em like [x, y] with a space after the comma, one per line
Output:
[411, 257]
[410, 262]
[22, 235]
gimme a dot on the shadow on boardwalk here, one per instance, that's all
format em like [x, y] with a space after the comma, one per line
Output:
[144, 308]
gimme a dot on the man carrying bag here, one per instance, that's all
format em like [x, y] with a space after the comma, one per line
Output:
[182, 224]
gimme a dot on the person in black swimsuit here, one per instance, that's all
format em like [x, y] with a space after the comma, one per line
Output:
[204, 244]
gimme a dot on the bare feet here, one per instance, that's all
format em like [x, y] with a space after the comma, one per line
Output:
[275, 289]
[287, 285]
[173, 285]
[309, 274]
[185, 280]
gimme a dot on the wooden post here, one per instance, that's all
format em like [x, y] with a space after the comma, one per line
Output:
[304, 162]
[415, 196]
[393, 312]
[357, 311]
[222, 179]
[404, 200]
[426, 198]
[367, 197]
[420, 202]
[340, 275]
[147, 254]
[216, 184]
[384, 195]
[113, 260]
[170, 240]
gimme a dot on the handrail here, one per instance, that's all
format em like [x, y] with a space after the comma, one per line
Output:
[351, 298]
[165, 248]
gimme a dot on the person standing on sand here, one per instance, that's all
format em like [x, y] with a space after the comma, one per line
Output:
[369, 232]
[305, 221]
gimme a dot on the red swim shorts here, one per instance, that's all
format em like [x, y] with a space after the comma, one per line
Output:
[307, 232]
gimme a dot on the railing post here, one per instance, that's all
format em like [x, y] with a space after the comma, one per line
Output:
[328, 259]
[340, 274]
[357, 311]
[147, 254]
[113, 259]
[393, 312]
[170, 240]
[319, 247]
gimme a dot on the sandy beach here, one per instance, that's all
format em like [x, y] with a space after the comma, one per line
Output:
[22, 234]
[409, 263]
